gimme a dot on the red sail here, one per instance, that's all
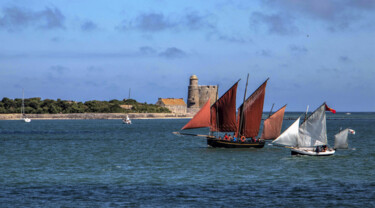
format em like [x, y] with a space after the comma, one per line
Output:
[252, 113]
[201, 119]
[272, 125]
[223, 112]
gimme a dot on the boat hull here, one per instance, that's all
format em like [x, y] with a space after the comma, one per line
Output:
[311, 152]
[214, 142]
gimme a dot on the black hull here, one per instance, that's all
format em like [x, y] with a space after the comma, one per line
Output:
[213, 142]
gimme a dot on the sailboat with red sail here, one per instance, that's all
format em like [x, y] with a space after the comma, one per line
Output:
[272, 125]
[221, 118]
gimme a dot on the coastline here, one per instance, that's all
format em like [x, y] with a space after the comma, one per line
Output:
[85, 116]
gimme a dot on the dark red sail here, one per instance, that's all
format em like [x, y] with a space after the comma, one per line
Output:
[252, 113]
[201, 119]
[223, 112]
[272, 125]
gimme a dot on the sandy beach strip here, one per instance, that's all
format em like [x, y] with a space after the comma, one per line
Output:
[82, 116]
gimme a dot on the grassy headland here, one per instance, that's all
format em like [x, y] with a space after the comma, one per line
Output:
[48, 106]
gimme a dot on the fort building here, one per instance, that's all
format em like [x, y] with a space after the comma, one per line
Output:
[198, 95]
[175, 105]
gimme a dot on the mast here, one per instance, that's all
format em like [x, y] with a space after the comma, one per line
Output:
[23, 104]
[217, 113]
[244, 99]
[306, 113]
[129, 93]
[269, 115]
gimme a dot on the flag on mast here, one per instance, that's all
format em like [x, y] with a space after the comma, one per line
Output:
[330, 109]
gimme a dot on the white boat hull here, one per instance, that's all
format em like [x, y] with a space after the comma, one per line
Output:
[127, 121]
[311, 151]
[27, 120]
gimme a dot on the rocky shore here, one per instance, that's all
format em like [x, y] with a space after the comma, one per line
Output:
[95, 116]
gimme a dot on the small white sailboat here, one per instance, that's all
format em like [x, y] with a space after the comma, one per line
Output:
[127, 120]
[308, 139]
[341, 139]
[23, 115]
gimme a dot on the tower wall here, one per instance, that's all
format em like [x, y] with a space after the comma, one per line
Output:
[193, 93]
[207, 92]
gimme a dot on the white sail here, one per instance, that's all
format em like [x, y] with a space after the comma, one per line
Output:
[290, 136]
[127, 120]
[313, 132]
[341, 139]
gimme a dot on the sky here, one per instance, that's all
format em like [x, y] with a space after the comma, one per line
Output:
[313, 51]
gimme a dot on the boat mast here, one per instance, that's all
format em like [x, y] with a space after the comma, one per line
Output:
[269, 115]
[217, 113]
[23, 104]
[244, 98]
[306, 113]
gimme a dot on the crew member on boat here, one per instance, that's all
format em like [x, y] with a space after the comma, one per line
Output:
[317, 149]
[226, 136]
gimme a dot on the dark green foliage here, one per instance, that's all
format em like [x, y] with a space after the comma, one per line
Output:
[39, 106]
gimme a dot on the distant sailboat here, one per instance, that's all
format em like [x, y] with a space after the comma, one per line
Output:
[310, 138]
[221, 117]
[127, 120]
[341, 139]
[23, 115]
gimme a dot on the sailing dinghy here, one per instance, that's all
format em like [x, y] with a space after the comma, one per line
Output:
[221, 118]
[341, 139]
[127, 120]
[310, 138]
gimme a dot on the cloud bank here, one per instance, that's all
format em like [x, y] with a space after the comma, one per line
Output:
[17, 18]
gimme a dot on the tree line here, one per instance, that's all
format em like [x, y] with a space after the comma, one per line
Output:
[48, 106]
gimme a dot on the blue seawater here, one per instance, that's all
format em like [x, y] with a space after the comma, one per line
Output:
[104, 163]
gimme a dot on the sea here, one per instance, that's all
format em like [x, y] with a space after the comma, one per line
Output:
[105, 163]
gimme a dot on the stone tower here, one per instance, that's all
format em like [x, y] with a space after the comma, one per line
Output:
[199, 94]
[207, 92]
[193, 93]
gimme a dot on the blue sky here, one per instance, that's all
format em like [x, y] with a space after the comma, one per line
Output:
[312, 50]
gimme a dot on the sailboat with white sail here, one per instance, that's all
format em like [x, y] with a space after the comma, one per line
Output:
[309, 138]
[127, 120]
[23, 114]
[341, 139]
